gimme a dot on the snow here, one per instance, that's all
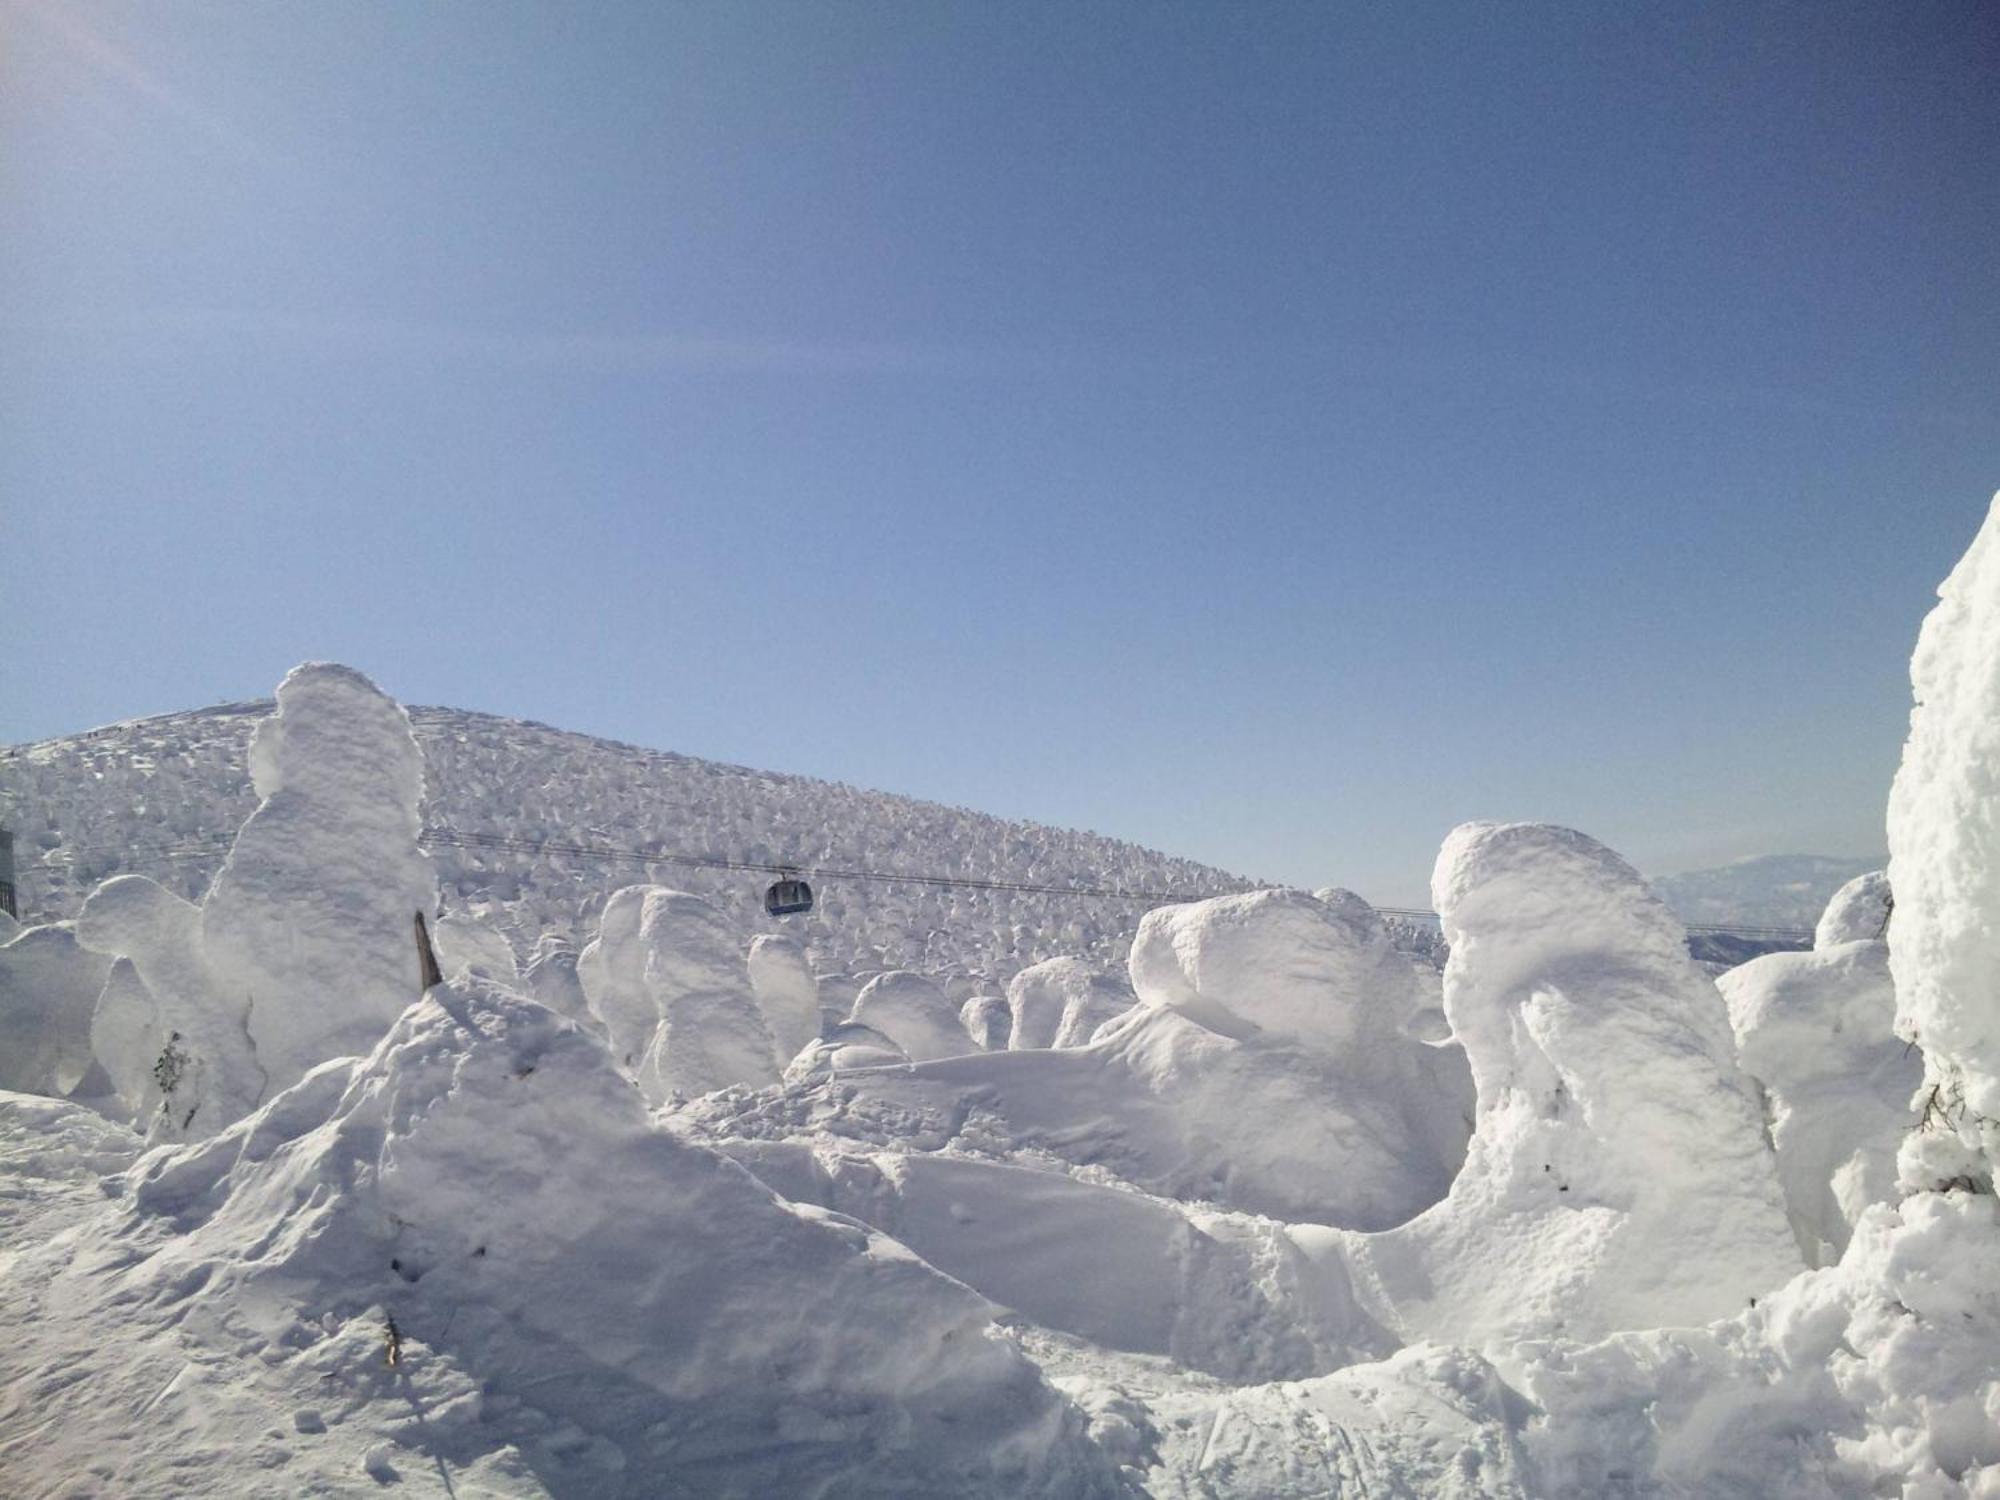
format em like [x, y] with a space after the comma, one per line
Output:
[173, 1041]
[1276, 961]
[1609, 1102]
[1360, 1135]
[668, 977]
[163, 797]
[1877, 1376]
[1944, 865]
[846, 1046]
[309, 920]
[1814, 1030]
[988, 1020]
[913, 1013]
[1291, 1215]
[782, 978]
[551, 977]
[1860, 909]
[1061, 1002]
[49, 985]
[769, 1348]
[465, 945]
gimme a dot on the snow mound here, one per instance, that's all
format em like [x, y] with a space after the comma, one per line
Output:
[308, 921]
[1277, 961]
[551, 977]
[1944, 865]
[607, 1311]
[1250, 1118]
[988, 1020]
[172, 1041]
[668, 977]
[1060, 1003]
[1226, 1294]
[464, 944]
[1609, 1103]
[49, 984]
[847, 1046]
[1858, 910]
[1265, 1125]
[1814, 1030]
[787, 993]
[912, 1012]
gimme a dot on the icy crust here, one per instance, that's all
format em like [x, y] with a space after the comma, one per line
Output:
[1858, 910]
[1814, 1030]
[488, 1179]
[1944, 864]
[307, 924]
[1609, 1102]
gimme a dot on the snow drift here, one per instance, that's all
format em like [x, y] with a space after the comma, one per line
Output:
[634, 1315]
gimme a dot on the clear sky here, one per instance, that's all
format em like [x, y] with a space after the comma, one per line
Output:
[1271, 433]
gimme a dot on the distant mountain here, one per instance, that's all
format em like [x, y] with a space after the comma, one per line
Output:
[1771, 890]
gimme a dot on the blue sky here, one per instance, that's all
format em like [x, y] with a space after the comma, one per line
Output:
[1272, 433]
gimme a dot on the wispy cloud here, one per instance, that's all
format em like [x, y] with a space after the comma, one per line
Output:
[66, 25]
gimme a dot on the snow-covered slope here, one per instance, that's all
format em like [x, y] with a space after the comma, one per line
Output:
[163, 797]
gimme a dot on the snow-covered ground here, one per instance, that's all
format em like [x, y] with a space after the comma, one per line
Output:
[644, 1197]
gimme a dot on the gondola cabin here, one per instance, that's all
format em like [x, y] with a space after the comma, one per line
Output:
[788, 896]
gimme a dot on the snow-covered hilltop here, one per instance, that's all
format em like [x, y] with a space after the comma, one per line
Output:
[163, 796]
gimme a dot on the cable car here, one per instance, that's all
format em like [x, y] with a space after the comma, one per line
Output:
[788, 895]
